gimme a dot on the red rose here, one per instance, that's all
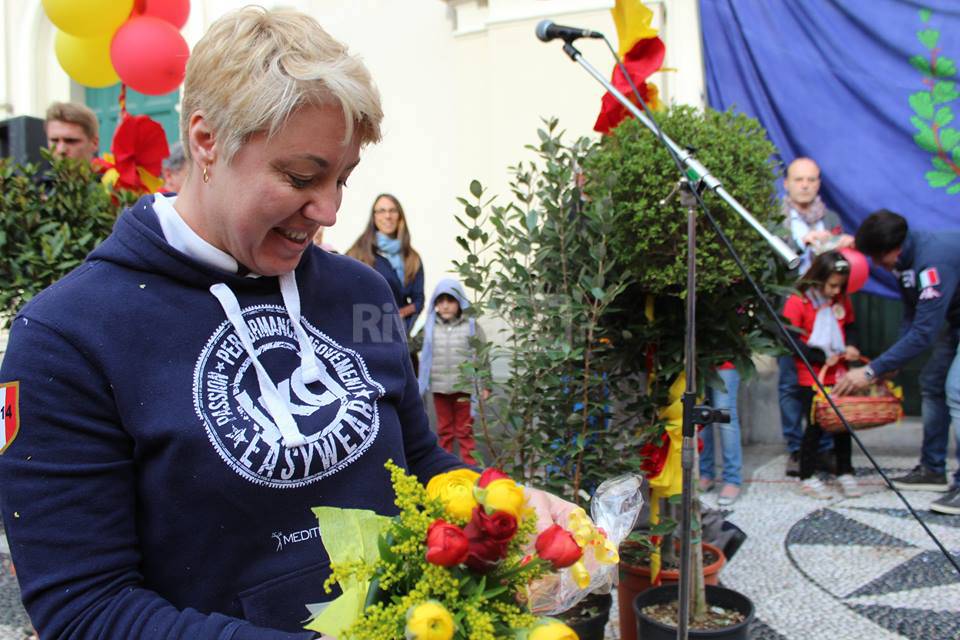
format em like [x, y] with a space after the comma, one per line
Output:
[488, 536]
[446, 544]
[557, 546]
[499, 525]
[489, 475]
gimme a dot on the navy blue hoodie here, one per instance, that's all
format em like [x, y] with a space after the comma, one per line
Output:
[929, 274]
[150, 492]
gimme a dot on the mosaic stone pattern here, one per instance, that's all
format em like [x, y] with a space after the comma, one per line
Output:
[847, 568]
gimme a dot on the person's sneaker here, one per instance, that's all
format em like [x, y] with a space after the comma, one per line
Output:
[706, 484]
[848, 484]
[949, 504]
[793, 464]
[922, 479]
[814, 488]
[728, 495]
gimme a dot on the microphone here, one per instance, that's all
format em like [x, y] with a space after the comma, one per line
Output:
[548, 30]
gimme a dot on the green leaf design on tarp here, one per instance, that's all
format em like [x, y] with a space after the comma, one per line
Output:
[946, 67]
[940, 164]
[954, 189]
[940, 178]
[922, 64]
[928, 37]
[925, 139]
[347, 535]
[922, 103]
[945, 91]
[944, 116]
[956, 155]
[924, 15]
[949, 138]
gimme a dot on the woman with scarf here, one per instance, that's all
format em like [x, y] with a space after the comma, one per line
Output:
[385, 246]
[822, 312]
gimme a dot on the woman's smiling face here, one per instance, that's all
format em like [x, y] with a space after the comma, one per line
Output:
[266, 205]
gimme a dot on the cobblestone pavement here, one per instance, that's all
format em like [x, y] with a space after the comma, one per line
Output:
[848, 568]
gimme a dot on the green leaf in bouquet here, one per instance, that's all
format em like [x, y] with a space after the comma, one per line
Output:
[348, 535]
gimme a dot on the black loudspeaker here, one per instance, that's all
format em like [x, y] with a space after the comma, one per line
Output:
[21, 138]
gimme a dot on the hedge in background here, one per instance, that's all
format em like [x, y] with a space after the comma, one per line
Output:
[50, 219]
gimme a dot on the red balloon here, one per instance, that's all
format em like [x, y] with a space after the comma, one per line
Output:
[150, 55]
[175, 12]
[859, 269]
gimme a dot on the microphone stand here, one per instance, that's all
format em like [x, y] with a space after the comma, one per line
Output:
[696, 173]
[696, 178]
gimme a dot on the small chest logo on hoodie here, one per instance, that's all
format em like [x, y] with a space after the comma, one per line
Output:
[338, 416]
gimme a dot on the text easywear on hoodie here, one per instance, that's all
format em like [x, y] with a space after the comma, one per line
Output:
[178, 422]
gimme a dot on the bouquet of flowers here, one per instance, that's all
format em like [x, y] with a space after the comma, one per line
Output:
[461, 560]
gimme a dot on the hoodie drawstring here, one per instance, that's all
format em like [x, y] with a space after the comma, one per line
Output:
[309, 366]
[275, 404]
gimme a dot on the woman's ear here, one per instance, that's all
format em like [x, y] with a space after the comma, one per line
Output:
[201, 140]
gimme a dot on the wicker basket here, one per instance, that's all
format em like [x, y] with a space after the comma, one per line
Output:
[879, 405]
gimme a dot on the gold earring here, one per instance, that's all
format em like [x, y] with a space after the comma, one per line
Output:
[206, 176]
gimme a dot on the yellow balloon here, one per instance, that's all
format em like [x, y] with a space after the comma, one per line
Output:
[88, 18]
[86, 60]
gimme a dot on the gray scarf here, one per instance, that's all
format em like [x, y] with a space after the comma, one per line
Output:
[814, 213]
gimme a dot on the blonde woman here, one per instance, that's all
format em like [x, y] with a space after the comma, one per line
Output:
[196, 386]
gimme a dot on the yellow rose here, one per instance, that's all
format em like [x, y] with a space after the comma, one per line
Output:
[455, 491]
[429, 621]
[553, 630]
[504, 495]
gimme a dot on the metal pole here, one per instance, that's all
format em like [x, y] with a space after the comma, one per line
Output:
[688, 449]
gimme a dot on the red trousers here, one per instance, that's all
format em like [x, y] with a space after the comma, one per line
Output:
[454, 423]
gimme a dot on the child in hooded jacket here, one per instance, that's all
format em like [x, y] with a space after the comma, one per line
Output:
[446, 345]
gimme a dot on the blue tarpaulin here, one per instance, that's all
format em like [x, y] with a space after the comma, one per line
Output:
[867, 88]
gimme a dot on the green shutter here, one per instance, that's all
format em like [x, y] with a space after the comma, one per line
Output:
[163, 109]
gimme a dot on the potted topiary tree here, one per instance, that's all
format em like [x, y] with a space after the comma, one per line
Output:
[650, 242]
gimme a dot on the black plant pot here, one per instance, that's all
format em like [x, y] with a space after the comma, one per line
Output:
[592, 628]
[650, 629]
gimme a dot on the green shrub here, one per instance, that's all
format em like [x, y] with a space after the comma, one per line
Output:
[50, 219]
[650, 238]
[541, 262]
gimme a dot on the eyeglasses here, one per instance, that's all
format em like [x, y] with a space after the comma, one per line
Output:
[390, 210]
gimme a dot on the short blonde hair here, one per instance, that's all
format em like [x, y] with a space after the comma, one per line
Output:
[74, 113]
[255, 67]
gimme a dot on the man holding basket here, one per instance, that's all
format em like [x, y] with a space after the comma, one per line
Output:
[927, 265]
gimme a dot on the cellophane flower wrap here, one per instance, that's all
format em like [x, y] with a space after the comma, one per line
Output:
[456, 563]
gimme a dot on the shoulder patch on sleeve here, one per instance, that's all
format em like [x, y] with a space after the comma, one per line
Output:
[929, 278]
[10, 413]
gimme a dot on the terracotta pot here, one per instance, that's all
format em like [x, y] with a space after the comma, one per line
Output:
[635, 579]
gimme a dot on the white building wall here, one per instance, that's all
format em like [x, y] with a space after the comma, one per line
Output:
[464, 84]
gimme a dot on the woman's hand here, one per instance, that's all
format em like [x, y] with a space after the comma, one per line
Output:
[550, 509]
[832, 360]
[407, 310]
[852, 353]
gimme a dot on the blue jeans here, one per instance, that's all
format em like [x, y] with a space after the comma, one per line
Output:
[729, 433]
[792, 411]
[940, 392]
